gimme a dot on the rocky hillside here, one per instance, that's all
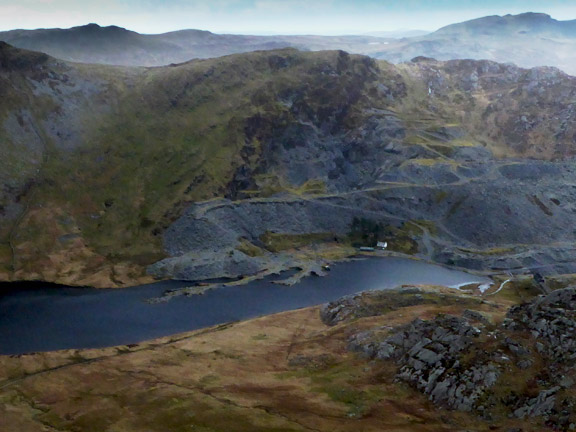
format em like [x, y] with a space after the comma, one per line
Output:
[438, 156]
[111, 171]
[520, 368]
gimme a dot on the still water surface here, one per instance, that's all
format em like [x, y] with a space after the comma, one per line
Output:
[37, 318]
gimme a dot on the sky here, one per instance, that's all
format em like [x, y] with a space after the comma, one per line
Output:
[328, 17]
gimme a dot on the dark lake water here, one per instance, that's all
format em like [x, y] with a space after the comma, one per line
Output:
[41, 318]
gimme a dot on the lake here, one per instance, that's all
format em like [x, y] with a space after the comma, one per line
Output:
[36, 317]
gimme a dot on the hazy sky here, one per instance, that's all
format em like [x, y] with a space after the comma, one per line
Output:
[267, 16]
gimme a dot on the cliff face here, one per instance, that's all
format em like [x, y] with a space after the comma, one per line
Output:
[101, 161]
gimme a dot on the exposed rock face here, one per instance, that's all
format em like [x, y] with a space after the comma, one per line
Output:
[224, 263]
[221, 224]
[542, 404]
[520, 210]
[467, 364]
[429, 353]
[552, 321]
[202, 242]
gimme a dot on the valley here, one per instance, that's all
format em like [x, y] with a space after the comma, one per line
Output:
[153, 186]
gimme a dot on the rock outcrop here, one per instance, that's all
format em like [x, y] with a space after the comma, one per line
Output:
[375, 303]
[465, 363]
[429, 353]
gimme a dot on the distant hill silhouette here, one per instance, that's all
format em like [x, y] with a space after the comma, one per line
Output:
[529, 39]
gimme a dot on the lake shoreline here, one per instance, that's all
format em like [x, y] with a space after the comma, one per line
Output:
[50, 319]
[306, 270]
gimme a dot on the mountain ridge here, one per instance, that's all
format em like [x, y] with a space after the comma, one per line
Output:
[529, 40]
[536, 22]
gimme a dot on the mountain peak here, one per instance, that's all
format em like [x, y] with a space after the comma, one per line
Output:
[529, 22]
[530, 16]
[94, 28]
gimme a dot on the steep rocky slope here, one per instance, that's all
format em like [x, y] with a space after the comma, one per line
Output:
[107, 169]
[438, 155]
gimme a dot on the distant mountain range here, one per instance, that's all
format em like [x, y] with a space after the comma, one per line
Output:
[118, 46]
[528, 40]
[397, 34]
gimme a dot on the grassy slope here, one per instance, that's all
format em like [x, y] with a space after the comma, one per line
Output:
[173, 136]
[23, 148]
